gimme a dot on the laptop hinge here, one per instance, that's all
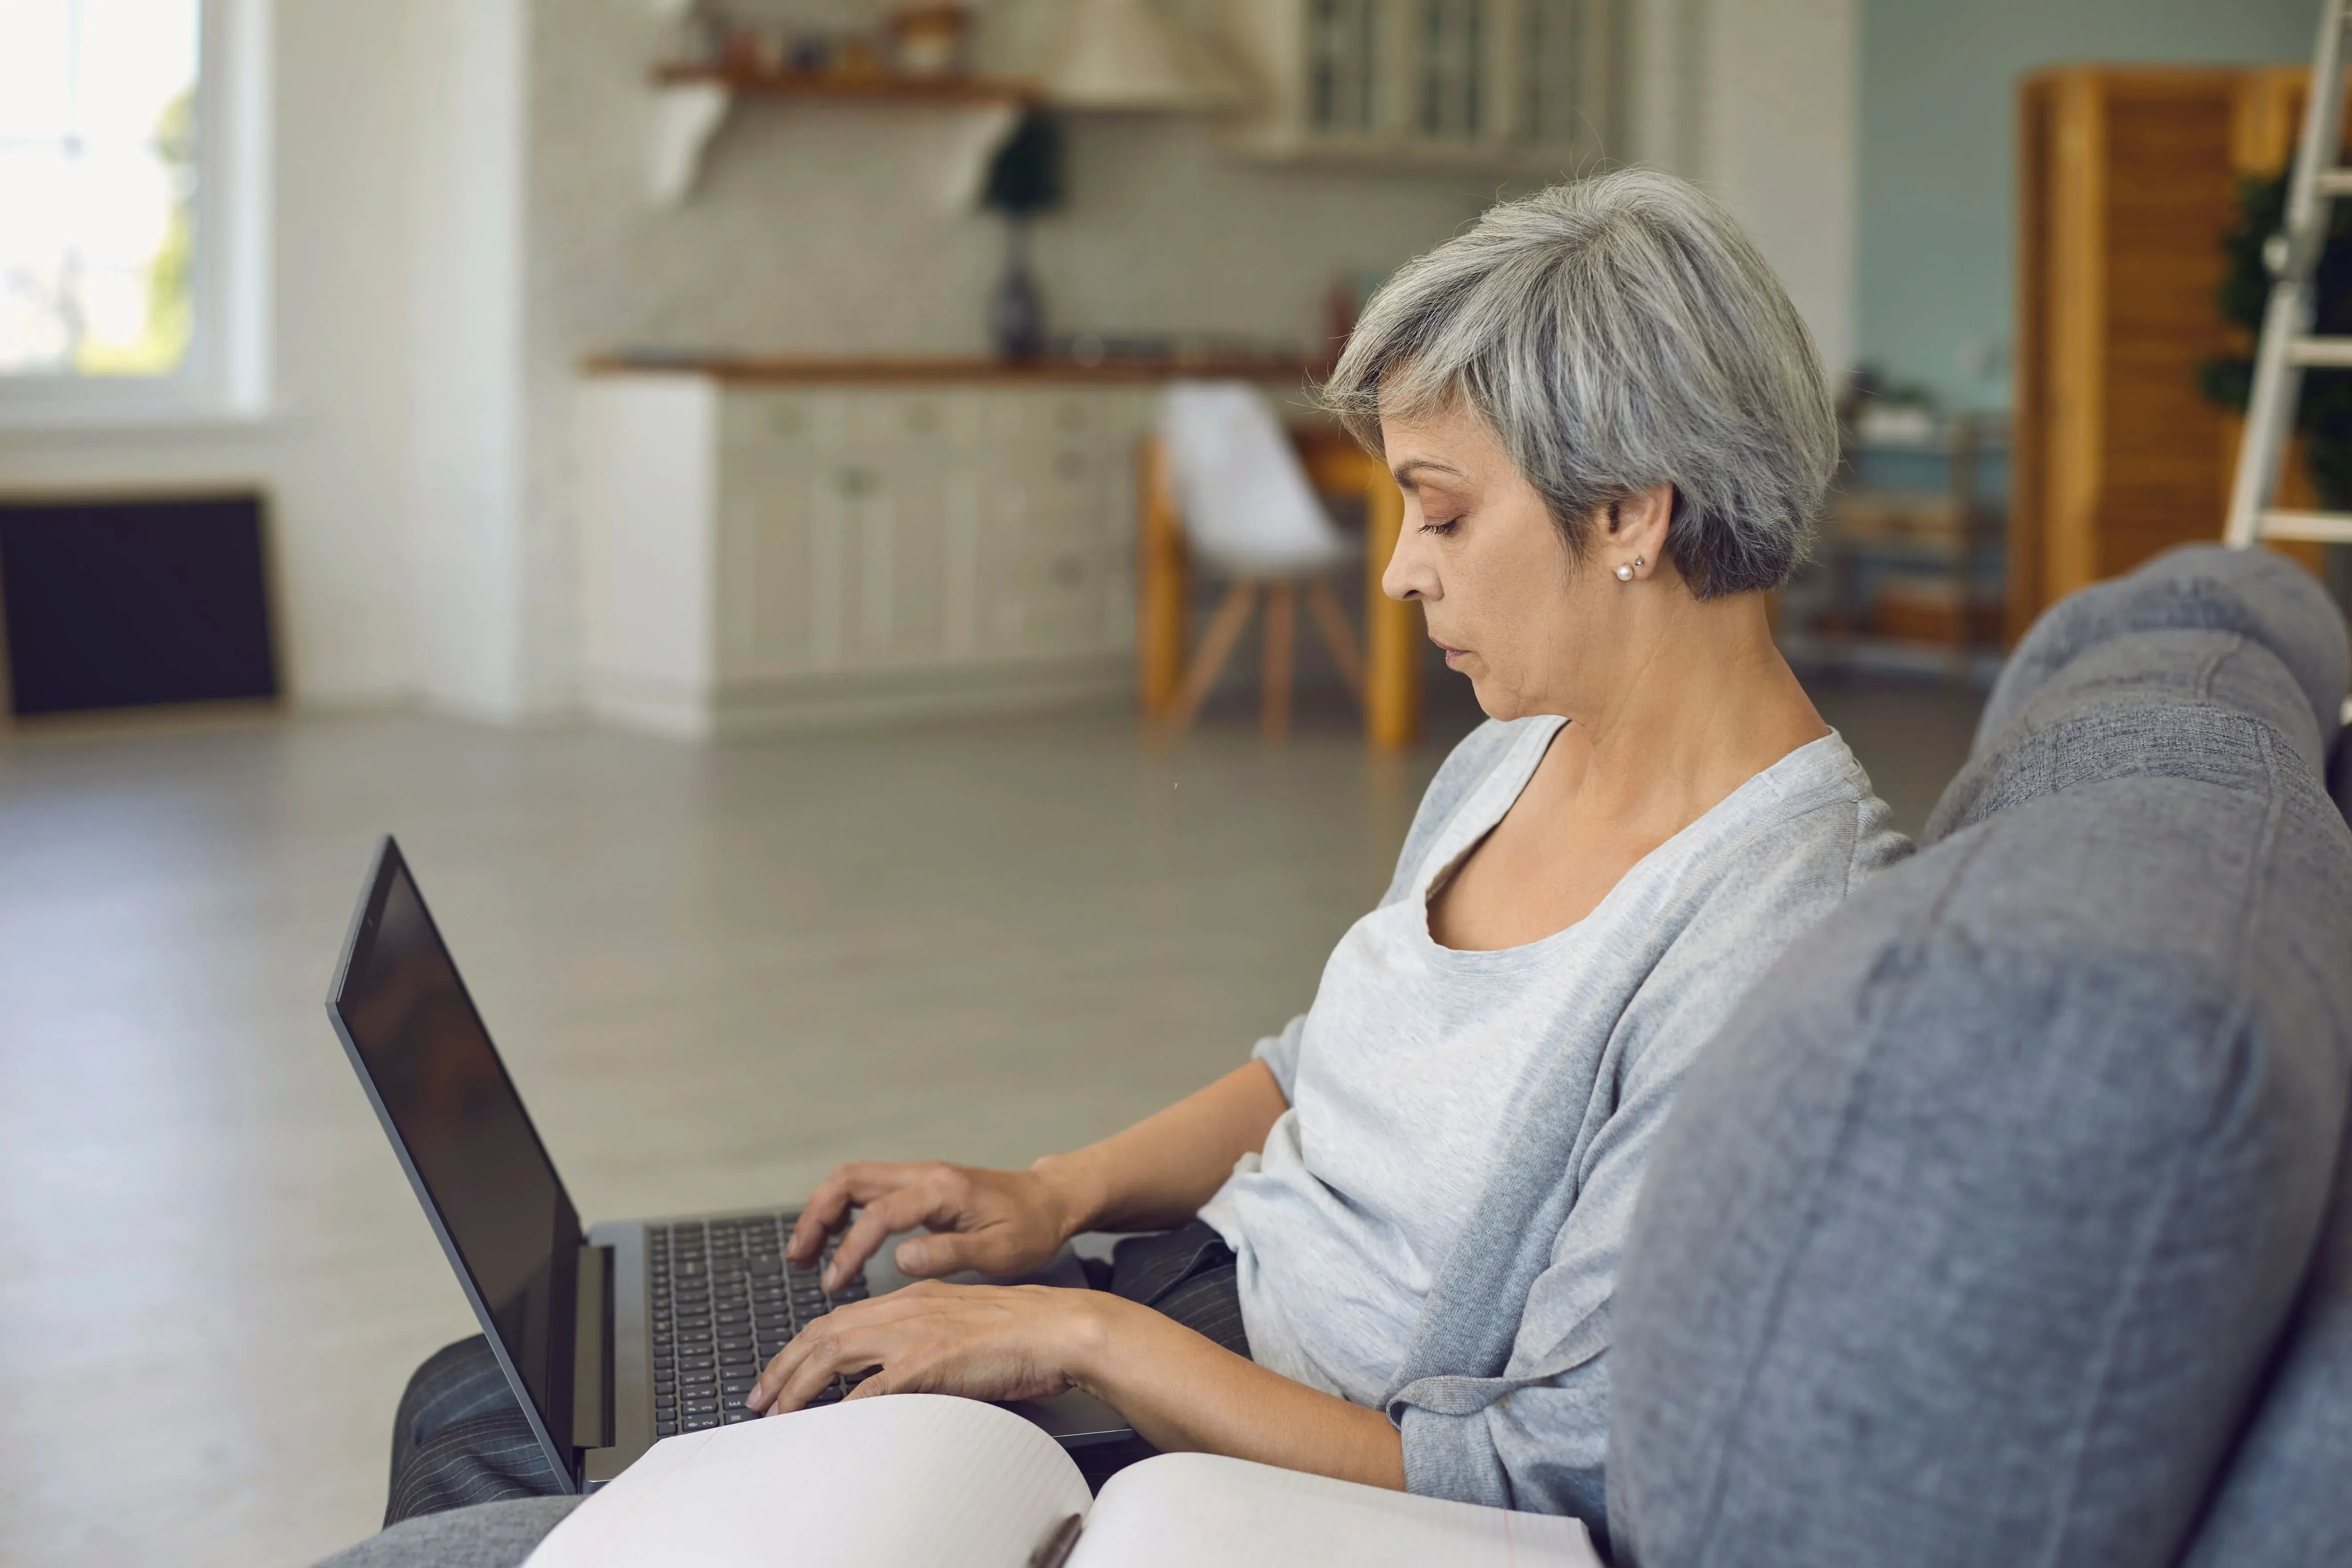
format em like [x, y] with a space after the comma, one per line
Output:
[591, 1350]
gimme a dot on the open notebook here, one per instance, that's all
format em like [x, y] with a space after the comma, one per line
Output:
[911, 1480]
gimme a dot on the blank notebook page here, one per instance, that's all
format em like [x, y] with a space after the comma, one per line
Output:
[905, 1480]
[1197, 1510]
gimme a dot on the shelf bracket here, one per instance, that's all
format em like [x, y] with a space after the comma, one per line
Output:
[687, 115]
[690, 108]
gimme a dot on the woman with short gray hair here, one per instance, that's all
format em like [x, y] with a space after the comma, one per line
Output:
[1388, 1243]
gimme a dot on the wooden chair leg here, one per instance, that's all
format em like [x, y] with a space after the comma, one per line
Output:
[1165, 585]
[1281, 632]
[1338, 637]
[1232, 617]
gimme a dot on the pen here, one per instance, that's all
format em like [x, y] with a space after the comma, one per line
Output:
[1055, 1550]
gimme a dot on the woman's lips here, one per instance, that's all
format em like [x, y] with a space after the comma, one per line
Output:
[1452, 655]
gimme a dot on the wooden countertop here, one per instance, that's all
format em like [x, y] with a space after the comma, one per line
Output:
[750, 369]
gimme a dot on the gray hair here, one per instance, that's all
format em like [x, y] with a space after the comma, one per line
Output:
[1616, 333]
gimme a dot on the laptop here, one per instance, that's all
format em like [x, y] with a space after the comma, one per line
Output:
[613, 1337]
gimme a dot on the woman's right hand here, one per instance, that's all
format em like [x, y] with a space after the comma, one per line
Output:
[1002, 1223]
[1154, 1175]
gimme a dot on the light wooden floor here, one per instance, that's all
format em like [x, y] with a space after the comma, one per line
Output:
[714, 973]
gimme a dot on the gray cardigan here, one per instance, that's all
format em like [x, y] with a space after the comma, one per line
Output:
[1503, 1398]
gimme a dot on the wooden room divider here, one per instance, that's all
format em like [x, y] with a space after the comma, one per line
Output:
[2127, 182]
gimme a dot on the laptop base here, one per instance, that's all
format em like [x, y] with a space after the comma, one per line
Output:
[1073, 1419]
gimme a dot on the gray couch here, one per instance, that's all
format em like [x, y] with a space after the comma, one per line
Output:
[2011, 1222]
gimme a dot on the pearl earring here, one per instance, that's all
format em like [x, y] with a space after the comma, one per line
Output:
[1625, 573]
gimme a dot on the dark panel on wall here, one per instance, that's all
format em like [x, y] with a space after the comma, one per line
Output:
[129, 603]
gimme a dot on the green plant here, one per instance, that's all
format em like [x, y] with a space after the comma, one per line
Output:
[2325, 414]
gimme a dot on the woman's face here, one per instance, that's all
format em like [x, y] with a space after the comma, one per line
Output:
[1530, 625]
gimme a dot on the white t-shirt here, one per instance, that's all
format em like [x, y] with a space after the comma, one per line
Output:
[1403, 1075]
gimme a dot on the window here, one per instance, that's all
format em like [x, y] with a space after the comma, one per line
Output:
[119, 246]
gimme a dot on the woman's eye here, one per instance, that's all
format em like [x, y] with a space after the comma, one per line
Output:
[1440, 525]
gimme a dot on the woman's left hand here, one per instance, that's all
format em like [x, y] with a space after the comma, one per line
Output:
[1180, 1391]
[983, 1341]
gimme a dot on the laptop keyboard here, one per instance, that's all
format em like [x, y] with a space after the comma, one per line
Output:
[724, 1302]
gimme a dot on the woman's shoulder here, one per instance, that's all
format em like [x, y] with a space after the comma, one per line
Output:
[1813, 832]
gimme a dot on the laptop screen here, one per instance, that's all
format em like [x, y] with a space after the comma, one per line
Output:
[447, 1101]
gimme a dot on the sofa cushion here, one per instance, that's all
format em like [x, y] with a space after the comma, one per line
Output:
[2284, 1501]
[2172, 704]
[2251, 594]
[1971, 1238]
[2287, 1501]
[2339, 774]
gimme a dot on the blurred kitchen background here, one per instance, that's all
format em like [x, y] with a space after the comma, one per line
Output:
[691, 469]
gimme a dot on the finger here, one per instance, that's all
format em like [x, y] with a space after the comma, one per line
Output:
[829, 1206]
[776, 1374]
[878, 1381]
[944, 1252]
[815, 1340]
[827, 1210]
[788, 1367]
[838, 1350]
[940, 1200]
[876, 1223]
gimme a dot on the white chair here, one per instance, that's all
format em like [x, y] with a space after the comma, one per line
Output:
[1249, 513]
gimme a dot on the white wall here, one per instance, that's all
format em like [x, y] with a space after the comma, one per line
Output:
[467, 558]
[1756, 99]
[1778, 143]
[333, 453]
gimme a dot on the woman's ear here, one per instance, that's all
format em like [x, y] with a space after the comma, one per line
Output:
[1633, 541]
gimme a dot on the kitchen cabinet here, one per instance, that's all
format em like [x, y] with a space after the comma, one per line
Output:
[1507, 84]
[790, 543]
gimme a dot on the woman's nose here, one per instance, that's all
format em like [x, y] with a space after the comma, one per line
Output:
[1408, 574]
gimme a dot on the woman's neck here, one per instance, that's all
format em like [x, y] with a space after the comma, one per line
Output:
[1702, 701]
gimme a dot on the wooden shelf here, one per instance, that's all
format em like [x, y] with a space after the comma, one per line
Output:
[947, 89]
[753, 369]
